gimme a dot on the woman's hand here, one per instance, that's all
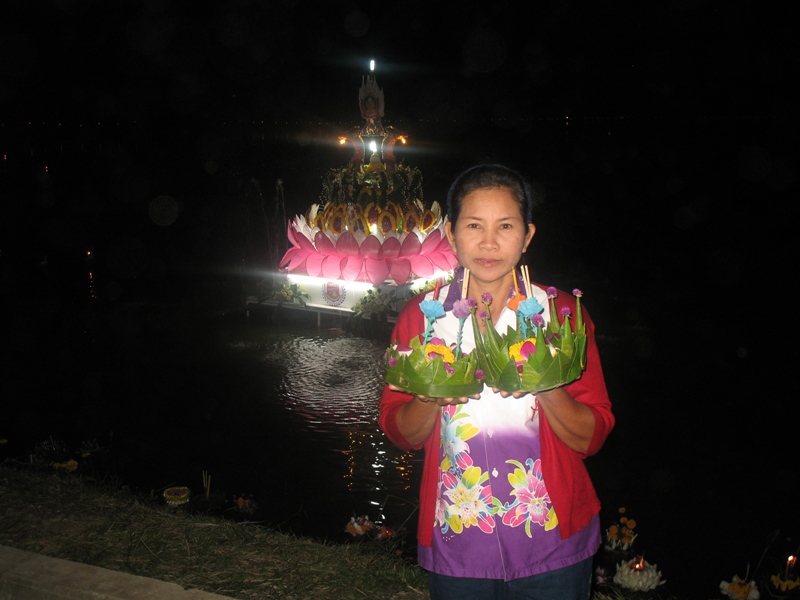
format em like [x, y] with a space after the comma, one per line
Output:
[505, 394]
[417, 418]
[437, 401]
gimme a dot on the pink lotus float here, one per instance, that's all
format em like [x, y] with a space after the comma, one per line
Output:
[374, 258]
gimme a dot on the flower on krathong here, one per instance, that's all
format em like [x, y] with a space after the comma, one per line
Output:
[479, 374]
[577, 292]
[436, 347]
[566, 311]
[483, 314]
[461, 308]
[522, 350]
[740, 588]
[552, 292]
[432, 309]
[620, 536]
[537, 320]
[486, 298]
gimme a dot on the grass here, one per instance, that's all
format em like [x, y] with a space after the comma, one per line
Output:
[69, 516]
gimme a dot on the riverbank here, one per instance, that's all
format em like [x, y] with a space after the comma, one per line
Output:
[66, 516]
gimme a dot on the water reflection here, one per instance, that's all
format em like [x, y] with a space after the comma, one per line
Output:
[330, 382]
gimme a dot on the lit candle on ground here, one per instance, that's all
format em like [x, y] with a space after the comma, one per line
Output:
[789, 566]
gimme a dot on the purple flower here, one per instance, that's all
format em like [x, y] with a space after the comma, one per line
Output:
[537, 320]
[486, 298]
[577, 292]
[472, 302]
[483, 314]
[479, 374]
[448, 369]
[392, 361]
[552, 292]
[461, 309]
[565, 312]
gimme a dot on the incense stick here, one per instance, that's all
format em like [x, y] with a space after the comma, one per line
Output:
[526, 279]
[465, 283]
[514, 277]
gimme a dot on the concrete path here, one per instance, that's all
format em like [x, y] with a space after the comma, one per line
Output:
[31, 576]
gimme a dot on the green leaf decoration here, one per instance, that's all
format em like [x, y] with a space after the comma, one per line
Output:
[560, 355]
[416, 374]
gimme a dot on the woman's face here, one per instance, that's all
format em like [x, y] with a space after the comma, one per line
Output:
[490, 234]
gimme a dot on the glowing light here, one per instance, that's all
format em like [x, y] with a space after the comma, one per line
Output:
[316, 281]
[342, 140]
[372, 65]
[402, 139]
[373, 146]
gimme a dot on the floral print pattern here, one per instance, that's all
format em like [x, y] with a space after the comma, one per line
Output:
[465, 497]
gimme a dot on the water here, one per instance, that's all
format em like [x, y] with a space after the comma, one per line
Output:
[274, 409]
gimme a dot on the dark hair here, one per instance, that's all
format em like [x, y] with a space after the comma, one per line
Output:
[484, 176]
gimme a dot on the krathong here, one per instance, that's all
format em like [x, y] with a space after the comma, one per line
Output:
[621, 535]
[431, 367]
[375, 244]
[740, 588]
[638, 575]
[536, 356]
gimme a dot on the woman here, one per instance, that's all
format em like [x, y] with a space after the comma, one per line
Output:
[507, 509]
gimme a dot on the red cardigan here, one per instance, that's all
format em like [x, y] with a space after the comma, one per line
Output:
[568, 482]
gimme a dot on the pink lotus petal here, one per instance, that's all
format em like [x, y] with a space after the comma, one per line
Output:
[376, 270]
[305, 244]
[288, 256]
[314, 264]
[400, 269]
[444, 245]
[352, 268]
[390, 248]
[290, 233]
[371, 247]
[324, 244]
[298, 262]
[410, 246]
[445, 262]
[347, 245]
[431, 242]
[332, 267]
[421, 266]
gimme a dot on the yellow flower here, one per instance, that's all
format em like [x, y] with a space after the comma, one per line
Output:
[630, 524]
[443, 351]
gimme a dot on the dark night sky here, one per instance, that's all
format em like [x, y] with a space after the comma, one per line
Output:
[141, 60]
